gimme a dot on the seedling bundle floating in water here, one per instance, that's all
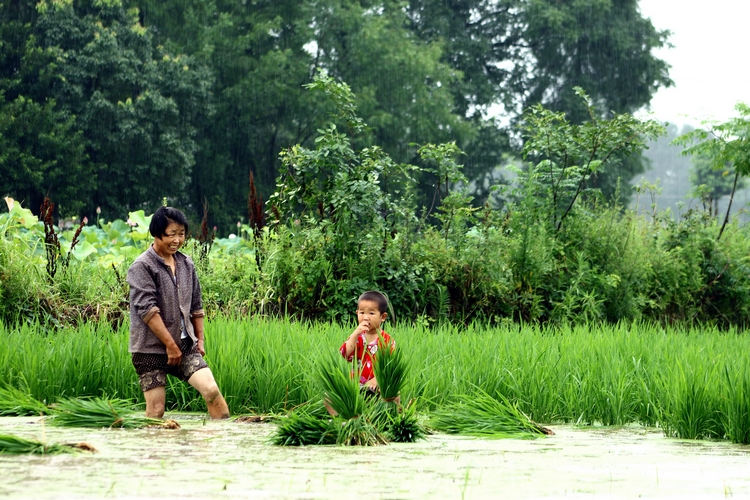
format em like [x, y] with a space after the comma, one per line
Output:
[360, 420]
[15, 402]
[14, 445]
[483, 415]
[80, 412]
[98, 412]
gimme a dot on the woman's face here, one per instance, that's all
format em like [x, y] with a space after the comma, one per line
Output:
[171, 240]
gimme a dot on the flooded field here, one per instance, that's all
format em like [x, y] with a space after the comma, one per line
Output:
[208, 459]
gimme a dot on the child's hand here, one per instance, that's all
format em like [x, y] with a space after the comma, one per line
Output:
[363, 327]
[372, 384]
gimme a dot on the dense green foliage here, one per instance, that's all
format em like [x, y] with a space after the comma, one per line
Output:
[118, 103]
[690, 382]
[344, 220]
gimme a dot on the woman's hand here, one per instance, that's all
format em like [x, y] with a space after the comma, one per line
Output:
[174, 354]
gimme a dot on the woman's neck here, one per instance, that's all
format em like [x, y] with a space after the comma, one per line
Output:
[167, 257]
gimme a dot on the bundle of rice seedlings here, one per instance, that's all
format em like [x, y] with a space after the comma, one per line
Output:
[405, 426]
[14, 445]
[340, 389]
[359, 431]
[301, 429]
[481, 414]
[98, 412]
[389, 367]
[15, 402]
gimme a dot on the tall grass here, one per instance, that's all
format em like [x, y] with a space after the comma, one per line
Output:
[693, 383]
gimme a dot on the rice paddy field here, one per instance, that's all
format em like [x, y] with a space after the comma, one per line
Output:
[637, 410]
[224, 459]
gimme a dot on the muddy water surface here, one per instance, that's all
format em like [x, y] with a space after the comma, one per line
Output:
[233, 460]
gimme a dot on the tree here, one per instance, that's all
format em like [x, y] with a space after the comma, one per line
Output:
[262, 54]
[404, 91]
[188, 98]
[256, 55]
[603, 47]
[525, 52]
[41, 151]
[726, 145]
[710, 185]
[134, 103]
[565, 156]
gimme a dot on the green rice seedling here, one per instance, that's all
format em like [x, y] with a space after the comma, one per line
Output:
[340, 389]
[481, 414]
[99, 412]
[358, 423]
[390, 370]
[16, 402]
[14, 445]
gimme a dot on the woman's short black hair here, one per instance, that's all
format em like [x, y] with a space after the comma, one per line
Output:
[161, 219]
[379, 298]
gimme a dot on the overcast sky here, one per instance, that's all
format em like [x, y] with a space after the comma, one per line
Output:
[709, 60]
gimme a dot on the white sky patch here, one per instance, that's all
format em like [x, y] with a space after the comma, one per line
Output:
[709, 58]
[311, 47]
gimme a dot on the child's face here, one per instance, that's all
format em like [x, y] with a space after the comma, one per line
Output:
[367, 312]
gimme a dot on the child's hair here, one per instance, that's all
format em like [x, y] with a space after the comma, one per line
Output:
[161, 219]
[379, 298]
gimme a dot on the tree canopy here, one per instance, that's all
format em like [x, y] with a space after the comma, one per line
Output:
[118, 103]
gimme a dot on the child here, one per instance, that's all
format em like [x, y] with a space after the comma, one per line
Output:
[363, 342]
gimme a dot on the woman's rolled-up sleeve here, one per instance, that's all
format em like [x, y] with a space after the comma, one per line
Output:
[142, 292]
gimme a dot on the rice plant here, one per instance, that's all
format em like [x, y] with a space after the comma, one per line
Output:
[390, 370]
[14, 445]
[615, 375]
[481, 414]
[362, 430]
[99, 412]
[690, 404]
[340, 389]
[736, 412]
[358, 421]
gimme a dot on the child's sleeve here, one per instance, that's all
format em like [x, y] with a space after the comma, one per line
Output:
[358, 348]
[342, 350]
[389, 340]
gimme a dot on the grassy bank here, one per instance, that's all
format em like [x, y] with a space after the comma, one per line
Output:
[693, 383]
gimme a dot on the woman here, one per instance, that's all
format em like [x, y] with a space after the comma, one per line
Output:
[166, 318]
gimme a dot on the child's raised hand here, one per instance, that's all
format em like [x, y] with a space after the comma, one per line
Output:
[363, 327]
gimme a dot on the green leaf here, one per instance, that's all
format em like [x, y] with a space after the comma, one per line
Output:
[83, 250]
